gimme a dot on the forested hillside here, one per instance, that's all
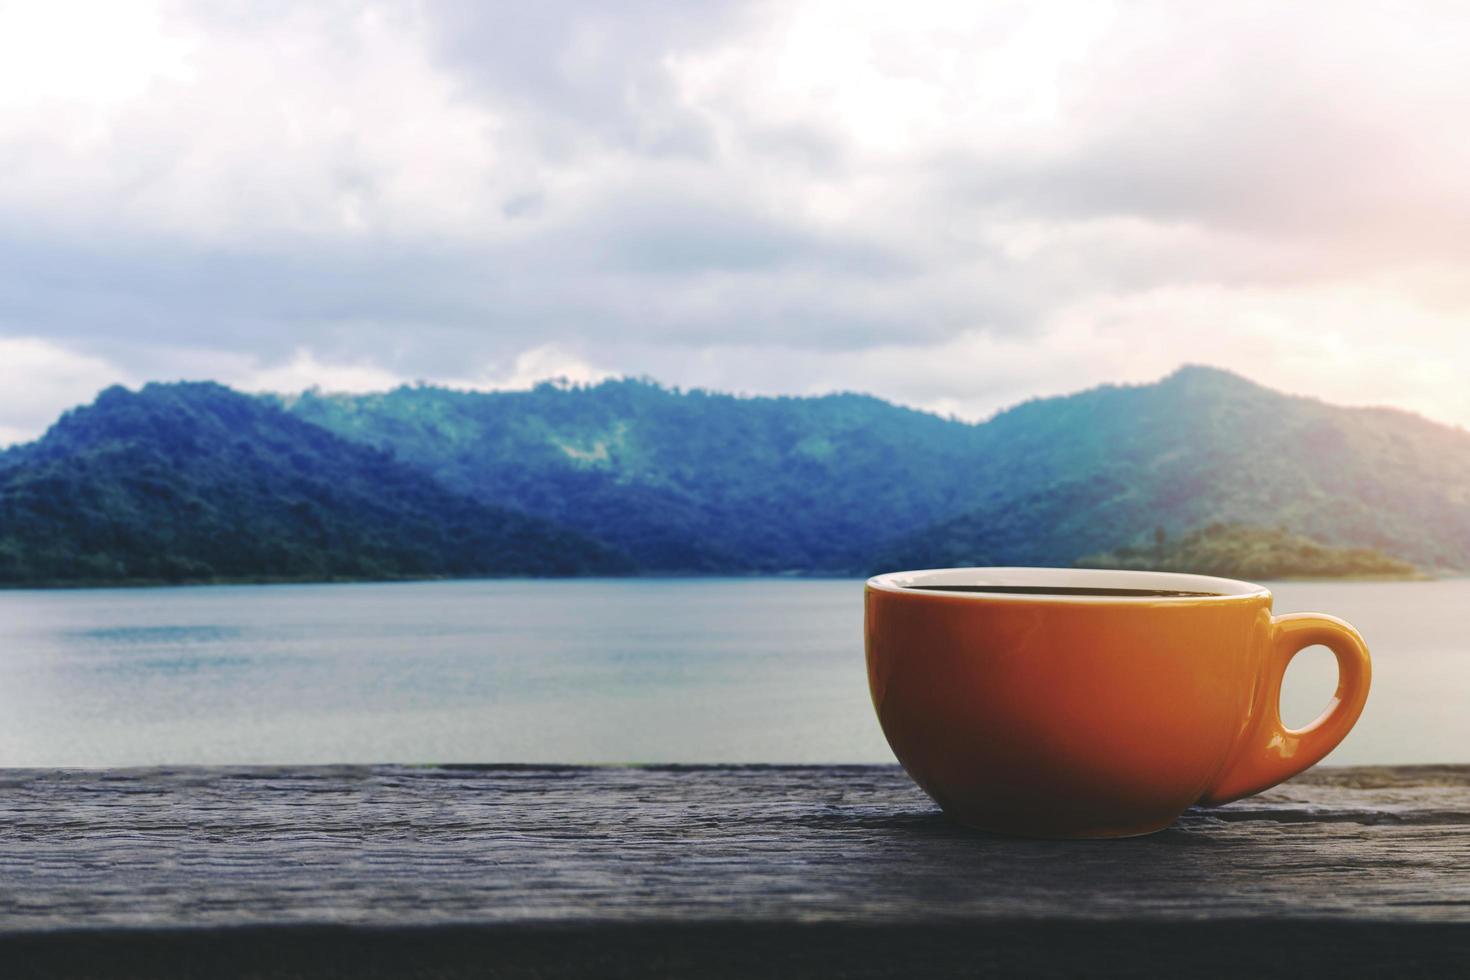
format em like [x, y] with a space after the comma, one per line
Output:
[1059, 478]
[194, 482]
[682, 481]
[692, 481]
[197, 482]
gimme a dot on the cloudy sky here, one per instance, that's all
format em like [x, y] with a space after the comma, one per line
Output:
[953, 205]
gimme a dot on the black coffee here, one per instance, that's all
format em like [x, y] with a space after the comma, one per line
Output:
[1055, 590]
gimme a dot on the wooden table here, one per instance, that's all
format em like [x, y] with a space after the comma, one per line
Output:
[710, 872]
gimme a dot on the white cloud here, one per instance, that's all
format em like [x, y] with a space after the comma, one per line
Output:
[39, 380]
[955, 205]
[321, 122]
[304, 370]
[531, 366]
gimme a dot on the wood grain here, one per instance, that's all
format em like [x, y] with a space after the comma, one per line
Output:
[853, 853]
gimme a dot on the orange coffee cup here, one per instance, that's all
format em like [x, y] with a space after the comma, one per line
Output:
[1104, 712]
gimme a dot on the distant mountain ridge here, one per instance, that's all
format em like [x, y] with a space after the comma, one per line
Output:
[681, 481]
[848, 482]
[194, 481]
[1106, 467]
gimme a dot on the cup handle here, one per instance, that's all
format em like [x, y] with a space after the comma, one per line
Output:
[1269, 751]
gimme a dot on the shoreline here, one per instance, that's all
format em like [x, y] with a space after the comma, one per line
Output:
[79, 585]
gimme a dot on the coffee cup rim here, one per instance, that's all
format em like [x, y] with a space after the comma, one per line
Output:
[930, 582]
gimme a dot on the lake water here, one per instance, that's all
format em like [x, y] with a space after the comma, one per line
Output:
[743, 670]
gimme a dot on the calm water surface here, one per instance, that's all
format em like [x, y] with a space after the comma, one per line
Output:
[747, 670]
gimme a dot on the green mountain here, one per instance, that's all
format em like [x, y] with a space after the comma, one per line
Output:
[693, 481]
[681, 481]
[1241, 551]
[1064, 477]
[195, 482]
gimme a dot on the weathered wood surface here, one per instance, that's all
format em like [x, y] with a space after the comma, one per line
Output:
[598, 859]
